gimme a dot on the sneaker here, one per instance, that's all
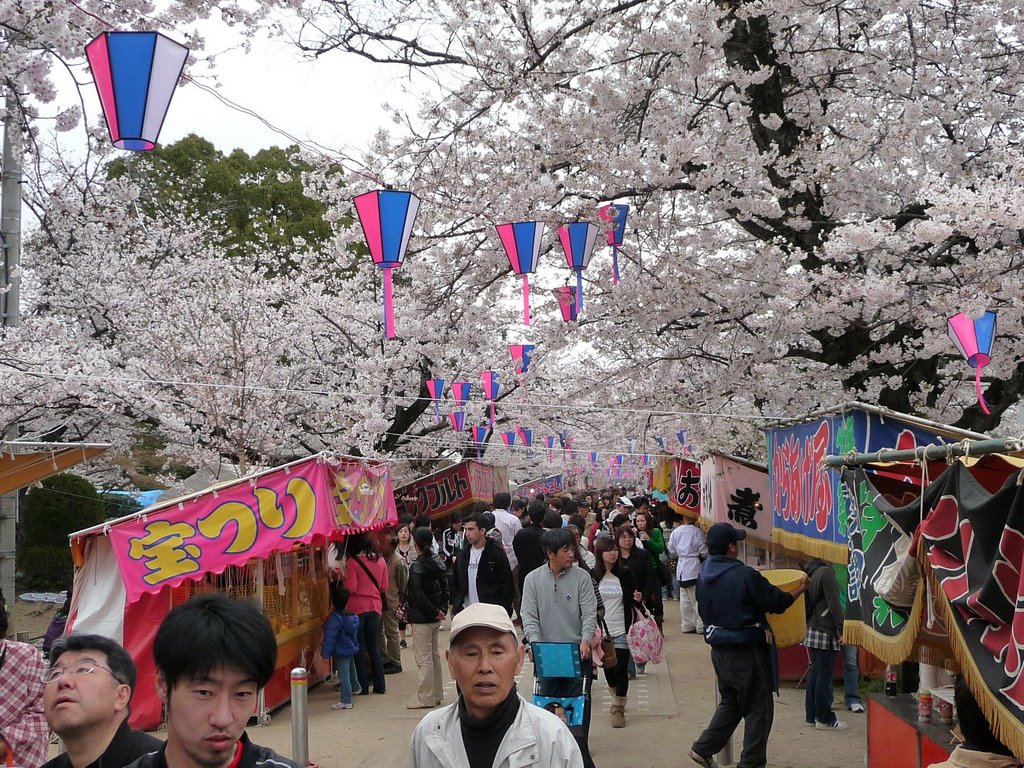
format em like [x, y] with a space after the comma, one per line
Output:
[392, 669]
[403, 644]
[856, 707]
[835, 725]
[703, 762]
[341, 705]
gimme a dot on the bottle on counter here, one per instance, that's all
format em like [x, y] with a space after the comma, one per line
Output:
[892, 686]
[924, 706]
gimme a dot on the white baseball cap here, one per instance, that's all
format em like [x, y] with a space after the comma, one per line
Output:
[624, 501]
[482, 615]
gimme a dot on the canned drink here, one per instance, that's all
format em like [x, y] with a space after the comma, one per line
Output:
[924, 707]
[945, 712]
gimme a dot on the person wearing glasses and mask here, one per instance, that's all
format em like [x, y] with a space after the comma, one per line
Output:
[24, 736]
[89, 687]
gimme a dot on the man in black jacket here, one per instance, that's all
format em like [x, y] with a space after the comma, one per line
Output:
[89, 686]
[732, 599]
[212, 654]
[526, 544]
[482, 573]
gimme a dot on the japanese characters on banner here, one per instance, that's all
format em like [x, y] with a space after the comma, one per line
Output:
[451, 491]
[809, 504]
[547, 485]
[737, 492]
[684, 487]
[308, 502]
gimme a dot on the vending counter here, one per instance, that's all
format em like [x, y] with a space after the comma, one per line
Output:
[897, 740]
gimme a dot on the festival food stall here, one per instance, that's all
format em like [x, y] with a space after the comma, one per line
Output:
[451, 491]
[551, 485]
[263, 537]
[936, 578]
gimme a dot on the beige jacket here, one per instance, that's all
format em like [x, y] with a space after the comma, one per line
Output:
[968, 758]
[535, 738]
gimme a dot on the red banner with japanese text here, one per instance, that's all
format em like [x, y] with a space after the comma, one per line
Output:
[684, 487]
[451, 491]
[310, 502]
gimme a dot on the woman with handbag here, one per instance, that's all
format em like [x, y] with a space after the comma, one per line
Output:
[428, 603]
[649, 534]
[366, 579]
[620, 597]
[645, 577]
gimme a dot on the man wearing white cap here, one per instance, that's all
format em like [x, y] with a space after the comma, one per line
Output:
[491, 725]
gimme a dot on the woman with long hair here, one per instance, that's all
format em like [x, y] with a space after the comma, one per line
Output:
[645, 577]
[405, 552]
[620, 597]
[366, 579]
[428, 605]
[649, 534]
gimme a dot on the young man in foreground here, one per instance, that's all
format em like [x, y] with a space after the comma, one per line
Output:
[212, 656]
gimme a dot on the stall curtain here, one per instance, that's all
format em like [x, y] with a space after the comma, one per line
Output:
[970, 544]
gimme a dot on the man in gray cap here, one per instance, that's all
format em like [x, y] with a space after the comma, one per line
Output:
[490, 720]
[732, 599]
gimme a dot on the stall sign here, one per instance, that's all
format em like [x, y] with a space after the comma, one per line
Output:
[442, 493]
[737, 493]
[253, 519]
[684, 487]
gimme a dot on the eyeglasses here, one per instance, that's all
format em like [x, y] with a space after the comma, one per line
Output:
[80, 669]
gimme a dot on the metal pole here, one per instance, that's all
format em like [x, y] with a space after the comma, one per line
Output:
[725, 756]
[10, 317]
[300, 717]
[933, 452]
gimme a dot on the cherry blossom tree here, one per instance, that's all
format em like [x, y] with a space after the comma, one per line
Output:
[816, 186]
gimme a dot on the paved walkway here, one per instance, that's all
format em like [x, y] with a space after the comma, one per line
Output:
[668, 706]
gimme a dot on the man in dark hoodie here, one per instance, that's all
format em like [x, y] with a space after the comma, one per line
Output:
[824, 636]
[732, 599]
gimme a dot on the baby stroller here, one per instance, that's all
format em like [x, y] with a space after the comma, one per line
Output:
[565, 686]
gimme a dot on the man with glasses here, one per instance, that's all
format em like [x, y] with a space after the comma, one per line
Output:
[88, 690]
[24, 736]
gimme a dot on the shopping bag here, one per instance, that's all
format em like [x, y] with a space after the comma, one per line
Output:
[645, 641]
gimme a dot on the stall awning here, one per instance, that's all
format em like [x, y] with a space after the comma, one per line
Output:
[24, 463]
[311, 501]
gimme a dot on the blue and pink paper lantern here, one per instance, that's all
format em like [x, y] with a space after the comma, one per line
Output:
[615, 216]
[551, 447]
[460, 392]
[521, 355]
[491, 384]
[436, 389]
[509, 438]
[974, 340]
[521, 241]
[480, 437]
[387, 218]
[578, 240]
[136, 74]
[566, 296]
[458, 420]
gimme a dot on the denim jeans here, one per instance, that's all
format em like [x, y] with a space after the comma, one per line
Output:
[347, 680]
[369, 629]
[851, 676]
[818, 696]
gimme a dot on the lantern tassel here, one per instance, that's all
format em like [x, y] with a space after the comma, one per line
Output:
[579, 293]
[437, 411]
[615, 265]
[389, 305]
[981, 395]
[492, 414]
[526, 299]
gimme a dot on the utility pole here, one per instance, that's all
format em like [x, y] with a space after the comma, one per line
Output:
[10, 314]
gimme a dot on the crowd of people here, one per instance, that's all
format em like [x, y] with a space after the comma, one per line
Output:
[511, 578]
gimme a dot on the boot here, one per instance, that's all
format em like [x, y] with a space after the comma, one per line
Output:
[618, 712]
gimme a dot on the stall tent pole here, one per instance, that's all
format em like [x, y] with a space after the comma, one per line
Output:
[932, 452]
